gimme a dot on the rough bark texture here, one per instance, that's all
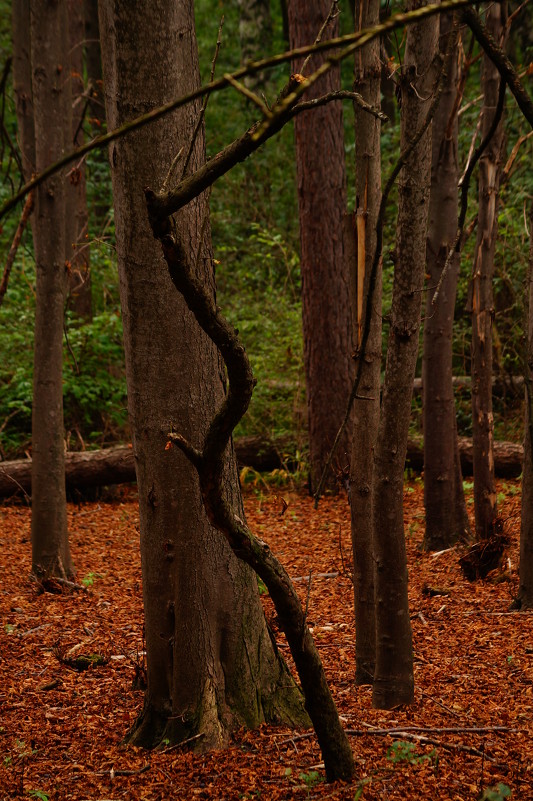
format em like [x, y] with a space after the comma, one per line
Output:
[485, 503]
[77, 217]
[393, 679]
[50, 550]
[446, 515]
[209, 462]
[525, 591]
[325, 281]
[211, 662]
[366, 412]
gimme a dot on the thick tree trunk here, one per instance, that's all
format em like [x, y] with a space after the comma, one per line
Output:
[393, 679]
[525, 591]
[366, 407]
[50, 550]
[212, 664]
[325, 281]
[446, 515]
[485, 498]
[77, 219]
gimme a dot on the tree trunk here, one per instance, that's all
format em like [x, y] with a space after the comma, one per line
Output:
[212, 664]
[325, 281]
[485, 498]
[446, 515]
[393, 679]
[93, 63]
[22, 84]
[366, 408]
[77, 219]
[50, 549]
[525, 591]
[255, 33]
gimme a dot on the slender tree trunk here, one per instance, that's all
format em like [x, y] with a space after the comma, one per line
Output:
[446, 515]
[50, 550]
[485, 504]
[393, 679]
[77, 219]
[22, 84]
[525, 592]
[212, 664]
[255, 33]
[93, 63]
[366, 412]
[325, 280]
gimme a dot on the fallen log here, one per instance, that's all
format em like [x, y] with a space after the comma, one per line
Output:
[101, 468]
[507, 457]
[87, 469]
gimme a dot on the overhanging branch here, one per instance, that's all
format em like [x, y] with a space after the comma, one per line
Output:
[358, 39]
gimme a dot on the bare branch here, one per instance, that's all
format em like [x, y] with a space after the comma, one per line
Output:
[500, 61]
[357, 40]
[27, 210]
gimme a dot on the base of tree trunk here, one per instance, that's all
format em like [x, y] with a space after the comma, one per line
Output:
[211, 726]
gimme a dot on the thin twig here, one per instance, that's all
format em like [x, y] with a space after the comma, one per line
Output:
[341, 94]
[332, 14]
[240, 87]
[205, 101]
[24, 217]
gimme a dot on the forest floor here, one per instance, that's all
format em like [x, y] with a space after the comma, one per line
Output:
[61, 730]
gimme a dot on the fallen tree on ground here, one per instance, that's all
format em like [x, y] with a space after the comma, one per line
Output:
[87, 469]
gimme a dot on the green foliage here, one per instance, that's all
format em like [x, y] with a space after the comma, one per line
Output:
[497, 793]
[402, 751]
[38, 794]
[254, 221]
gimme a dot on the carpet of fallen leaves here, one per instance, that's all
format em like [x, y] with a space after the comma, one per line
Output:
[61, 730]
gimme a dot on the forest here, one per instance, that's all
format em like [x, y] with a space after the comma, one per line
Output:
[266, 410]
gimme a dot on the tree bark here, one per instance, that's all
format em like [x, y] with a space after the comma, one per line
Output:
[393, 679]
[50, 549]
[366, 407]
[211, 662]
[22, 84]
[77, 219]
[525, 590]
[446, 515]
[326, 315]
[485, 498]
[209, 462]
